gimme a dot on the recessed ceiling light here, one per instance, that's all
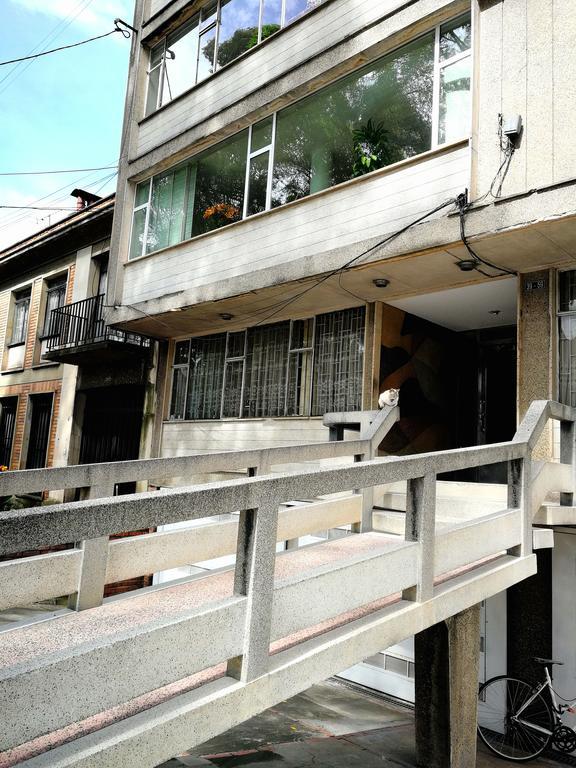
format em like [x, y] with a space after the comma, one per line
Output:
[226, 316]
[381, 282]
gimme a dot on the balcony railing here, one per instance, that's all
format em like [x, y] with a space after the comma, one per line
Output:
[82, 324]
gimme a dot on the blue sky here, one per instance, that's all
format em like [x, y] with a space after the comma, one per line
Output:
[61, 111]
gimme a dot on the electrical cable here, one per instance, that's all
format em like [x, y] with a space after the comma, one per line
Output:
[68, 170]
[124, 32]
[35, 208]
[362, 255]
[462, 208]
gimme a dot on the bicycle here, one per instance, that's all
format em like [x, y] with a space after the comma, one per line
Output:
[517, 720]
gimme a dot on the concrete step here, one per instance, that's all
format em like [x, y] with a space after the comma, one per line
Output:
[555, 514]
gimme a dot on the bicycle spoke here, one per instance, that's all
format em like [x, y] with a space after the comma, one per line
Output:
[514, 720]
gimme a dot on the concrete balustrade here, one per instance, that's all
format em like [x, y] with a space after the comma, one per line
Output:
[348, 597]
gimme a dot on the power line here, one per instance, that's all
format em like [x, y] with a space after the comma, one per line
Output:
[68, 170]
[36, 208]
[123, 32]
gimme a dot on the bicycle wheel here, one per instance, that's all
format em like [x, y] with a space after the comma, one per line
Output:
[513, 722]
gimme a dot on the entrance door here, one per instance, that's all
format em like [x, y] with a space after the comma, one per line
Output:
[496, 396]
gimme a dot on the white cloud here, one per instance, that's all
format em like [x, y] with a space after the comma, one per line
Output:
[93, 16]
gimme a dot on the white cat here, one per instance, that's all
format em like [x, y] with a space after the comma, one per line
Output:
[389, 397]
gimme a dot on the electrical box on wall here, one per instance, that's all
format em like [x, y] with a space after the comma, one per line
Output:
[512, 127]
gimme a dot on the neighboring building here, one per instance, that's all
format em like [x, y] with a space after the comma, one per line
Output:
[71, 390]
[293, 195]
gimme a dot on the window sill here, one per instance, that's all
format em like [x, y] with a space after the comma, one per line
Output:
[47, 364]
[390, 169]
[6, 371]
[13, 344]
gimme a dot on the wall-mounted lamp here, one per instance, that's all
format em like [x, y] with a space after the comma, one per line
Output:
[381, 282]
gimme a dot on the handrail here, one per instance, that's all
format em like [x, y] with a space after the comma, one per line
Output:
[85, 475]
[82, 322]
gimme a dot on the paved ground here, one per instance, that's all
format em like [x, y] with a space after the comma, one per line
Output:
[328, 726]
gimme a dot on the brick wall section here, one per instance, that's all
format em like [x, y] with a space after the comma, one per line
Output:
[33, 320]
[4, 307]
[70, 285]
[22, 391]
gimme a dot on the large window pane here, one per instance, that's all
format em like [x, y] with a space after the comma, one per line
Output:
[271, 17]
[181, 60]
[220, 178]
[179, 376]
[568, 291]
[20, 318]
[265, 387]
[238, 29]
[206, 53]
[167, 209]
[295, 8]
[567, 376]
[138, 227]
[338, 362]
[205, 377]
[455, 37]
[454, 121]
[257, 184]
[383, 111]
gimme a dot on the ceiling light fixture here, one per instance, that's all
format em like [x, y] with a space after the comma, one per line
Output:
[466, 265]
[381, 282]
[226, 316]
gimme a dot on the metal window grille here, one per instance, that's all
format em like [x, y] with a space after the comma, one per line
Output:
[567, 337]
[40, 417]
[207, 357]
[234, 370]
[7, 424]
[266, 360]
[338, 362]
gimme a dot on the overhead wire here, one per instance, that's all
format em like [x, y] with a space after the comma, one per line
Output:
[68, 170]
[123, 32]
[18, 70]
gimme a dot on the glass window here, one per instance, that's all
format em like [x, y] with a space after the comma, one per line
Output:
[55, 297]
[363, 122]
[267, 370]
[338, 362]
[218, 35]
[567, 337]
[266, 359]
[238, 29]
[20, 317]
[220, 180]
[379, 115]
[205, 377]
[454, 119]
[455, 37]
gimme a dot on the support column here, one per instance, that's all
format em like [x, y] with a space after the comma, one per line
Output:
[447, 656]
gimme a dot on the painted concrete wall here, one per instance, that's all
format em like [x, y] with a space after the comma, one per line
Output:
[342, 216]
[527, 66]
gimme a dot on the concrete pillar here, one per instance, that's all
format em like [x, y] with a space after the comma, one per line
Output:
[447, 657]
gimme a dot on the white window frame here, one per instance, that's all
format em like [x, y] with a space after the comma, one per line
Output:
[438, 67]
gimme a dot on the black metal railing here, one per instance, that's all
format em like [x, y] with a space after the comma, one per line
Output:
[82, 323]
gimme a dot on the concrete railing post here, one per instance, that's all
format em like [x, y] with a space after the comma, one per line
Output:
[519, 497]
[568, 456]
[420, 527]
[254, 578]
[92, 579]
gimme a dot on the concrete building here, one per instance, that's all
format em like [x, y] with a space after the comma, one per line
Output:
[322, 200]
[319, 201]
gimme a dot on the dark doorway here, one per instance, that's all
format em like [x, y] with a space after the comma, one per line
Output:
[7, 423]
[112, 423]
[487, 395]
[39, 434]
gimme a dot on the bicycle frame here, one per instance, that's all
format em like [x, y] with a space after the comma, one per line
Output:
[557, 709]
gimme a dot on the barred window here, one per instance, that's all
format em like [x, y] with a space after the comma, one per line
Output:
[55, 298]
[338, 362]
[294, 368]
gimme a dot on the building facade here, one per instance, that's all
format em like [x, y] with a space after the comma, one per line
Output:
[321, 200]
[71, 390]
